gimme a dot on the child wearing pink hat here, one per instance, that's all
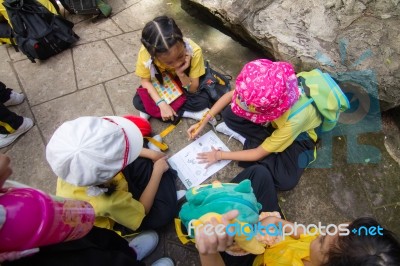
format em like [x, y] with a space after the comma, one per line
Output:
[258, 116]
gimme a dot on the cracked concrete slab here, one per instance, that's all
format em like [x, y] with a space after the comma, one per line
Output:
[44, 81]
[95, 63]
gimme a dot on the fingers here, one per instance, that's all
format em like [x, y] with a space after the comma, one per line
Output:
[166, 118]
[206, 243]
[208, 158]
[167, 113]
[162, 164]
[170, 116]
[5, 169]
[189, 134]
[223, 239]
[227, 217]
[4, 163]
[212, 237]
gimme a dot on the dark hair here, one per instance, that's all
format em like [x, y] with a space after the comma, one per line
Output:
[159, 35]
[365, 250]
[111, 188]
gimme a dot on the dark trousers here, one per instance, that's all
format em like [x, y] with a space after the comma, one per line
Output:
[165, 206]
[100, 247]
[264, 189]
[194, 102]
[284, 167]
[6, 116]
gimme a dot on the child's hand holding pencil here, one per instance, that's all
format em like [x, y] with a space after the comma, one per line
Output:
[194, 131]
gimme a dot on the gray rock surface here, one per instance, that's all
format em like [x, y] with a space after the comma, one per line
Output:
[336, 36]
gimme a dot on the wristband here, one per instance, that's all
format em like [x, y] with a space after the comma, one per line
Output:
[160, 101]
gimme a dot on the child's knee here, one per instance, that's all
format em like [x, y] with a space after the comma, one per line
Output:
[261, 175]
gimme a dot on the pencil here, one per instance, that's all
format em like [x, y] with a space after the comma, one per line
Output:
[195, 129]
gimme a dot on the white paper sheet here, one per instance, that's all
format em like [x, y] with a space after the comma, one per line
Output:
[185, 161]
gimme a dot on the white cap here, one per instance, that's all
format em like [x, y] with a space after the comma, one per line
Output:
[90, 151]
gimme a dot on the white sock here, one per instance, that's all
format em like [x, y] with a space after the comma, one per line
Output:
[152, 146]
[224, 129]
[199, 115]
[195, 115]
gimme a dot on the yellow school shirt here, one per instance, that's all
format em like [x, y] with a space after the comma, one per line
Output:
[118, 207]
[196, 64]
[286, 131]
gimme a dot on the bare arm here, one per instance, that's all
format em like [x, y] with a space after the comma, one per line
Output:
[5, 169]
[214, 156]
[210, 244]
[150, 154]
[195, 130]
[193, 83]
[147, 197]
[211, 259]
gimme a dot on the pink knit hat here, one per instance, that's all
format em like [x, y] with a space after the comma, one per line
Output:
[265, 90]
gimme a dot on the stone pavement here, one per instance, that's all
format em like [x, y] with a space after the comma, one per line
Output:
[95, 77]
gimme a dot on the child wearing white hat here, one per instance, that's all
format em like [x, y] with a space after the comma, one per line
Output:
[101, 160]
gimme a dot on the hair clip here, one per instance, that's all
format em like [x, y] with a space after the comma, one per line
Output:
[188, 47]
[149, 64]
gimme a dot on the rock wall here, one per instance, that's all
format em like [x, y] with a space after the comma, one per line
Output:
[354, 40]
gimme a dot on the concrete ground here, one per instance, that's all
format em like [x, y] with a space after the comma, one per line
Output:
[95, 77]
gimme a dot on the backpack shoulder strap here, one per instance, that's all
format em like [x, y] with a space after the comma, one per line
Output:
[300, 105]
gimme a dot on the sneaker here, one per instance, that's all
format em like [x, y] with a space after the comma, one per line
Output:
[180, 194]
[165, 261]
[7, 139]
[144, 115]
[152, 146]
[144, 244]
[199, 115]
[15, 98]
[224, 129]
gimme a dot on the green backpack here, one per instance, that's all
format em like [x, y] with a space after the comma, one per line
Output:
[213, 200]
[325, 94]
[221, 198]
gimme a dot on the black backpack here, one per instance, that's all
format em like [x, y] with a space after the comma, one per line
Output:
[81, 7]
[39, 33]
[214, 83]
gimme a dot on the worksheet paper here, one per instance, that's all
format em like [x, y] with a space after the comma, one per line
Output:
[185, 161]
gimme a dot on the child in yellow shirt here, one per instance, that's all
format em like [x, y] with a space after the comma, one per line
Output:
[165, 50]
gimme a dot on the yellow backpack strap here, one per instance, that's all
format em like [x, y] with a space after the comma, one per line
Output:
[161, 145]
[182, 237]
